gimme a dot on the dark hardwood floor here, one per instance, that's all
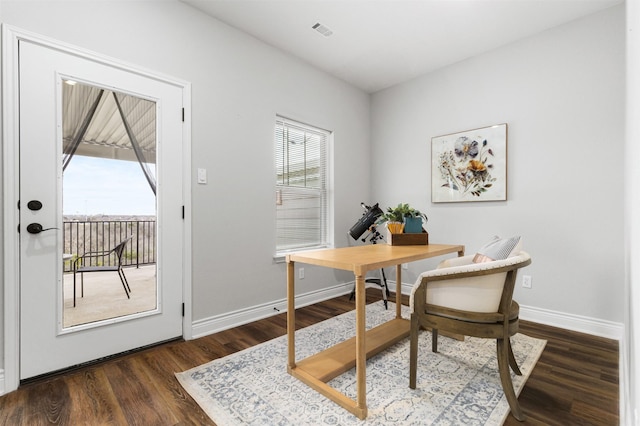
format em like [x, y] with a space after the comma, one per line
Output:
[574, 383]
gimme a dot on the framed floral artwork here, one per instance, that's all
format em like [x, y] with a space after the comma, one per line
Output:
[470, 165]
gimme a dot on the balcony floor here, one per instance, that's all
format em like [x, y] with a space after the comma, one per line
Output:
[104, 296]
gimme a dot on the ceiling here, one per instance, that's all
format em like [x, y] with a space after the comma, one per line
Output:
[380, 43]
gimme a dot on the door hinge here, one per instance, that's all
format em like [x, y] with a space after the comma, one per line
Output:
[183, 115]
[183, 309]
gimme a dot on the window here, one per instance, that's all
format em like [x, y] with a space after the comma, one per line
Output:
[301, 186]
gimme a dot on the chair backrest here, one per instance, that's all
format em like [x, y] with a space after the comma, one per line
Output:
[119, 249]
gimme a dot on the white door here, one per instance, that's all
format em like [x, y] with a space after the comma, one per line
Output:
[46, 343]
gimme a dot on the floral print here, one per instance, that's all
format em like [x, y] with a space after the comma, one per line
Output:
[467, 168]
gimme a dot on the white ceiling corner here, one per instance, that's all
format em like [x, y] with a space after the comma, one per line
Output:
[380, 43]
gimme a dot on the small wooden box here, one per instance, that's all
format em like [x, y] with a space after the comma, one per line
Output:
[421, 239]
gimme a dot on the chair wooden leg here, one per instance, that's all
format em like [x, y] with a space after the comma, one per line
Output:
[434, 340]
[505, 379]
[413, 350]
[512, 360]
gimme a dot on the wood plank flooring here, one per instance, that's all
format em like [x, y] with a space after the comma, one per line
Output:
[574, 383]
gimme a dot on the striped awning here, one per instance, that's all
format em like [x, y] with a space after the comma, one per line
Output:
[106, 135]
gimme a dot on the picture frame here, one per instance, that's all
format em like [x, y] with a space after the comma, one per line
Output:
[470, 166]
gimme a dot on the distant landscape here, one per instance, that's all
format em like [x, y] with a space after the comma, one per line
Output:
[103, 217]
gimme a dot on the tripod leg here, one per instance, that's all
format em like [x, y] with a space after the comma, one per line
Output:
[385, 290]
[384, 279]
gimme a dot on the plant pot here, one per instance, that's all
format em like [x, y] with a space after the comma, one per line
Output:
[395, 227]
[412, 225]
[408, 239]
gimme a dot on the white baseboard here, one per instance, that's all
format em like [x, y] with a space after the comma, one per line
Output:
[596, 327]
[2, 387]
[226, 321]
[582, 324]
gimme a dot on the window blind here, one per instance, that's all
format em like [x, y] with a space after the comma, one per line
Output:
[301, 186]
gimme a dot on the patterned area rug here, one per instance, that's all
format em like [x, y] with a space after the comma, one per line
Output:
[459, 385]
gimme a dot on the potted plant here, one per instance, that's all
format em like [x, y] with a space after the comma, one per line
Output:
[403, 218]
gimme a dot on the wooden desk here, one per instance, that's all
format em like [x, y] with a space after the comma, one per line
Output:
[320, 368]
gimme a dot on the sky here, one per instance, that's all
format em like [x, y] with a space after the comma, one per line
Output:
[105, 186]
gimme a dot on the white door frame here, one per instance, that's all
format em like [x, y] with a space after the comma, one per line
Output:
[10, 151]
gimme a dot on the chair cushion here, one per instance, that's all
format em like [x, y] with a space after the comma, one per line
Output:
[476, 293]
[456, 261]
[498, 249]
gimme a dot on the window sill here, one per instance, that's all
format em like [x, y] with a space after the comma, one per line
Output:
[282, 256]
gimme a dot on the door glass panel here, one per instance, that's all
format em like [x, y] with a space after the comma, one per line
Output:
[109, 205]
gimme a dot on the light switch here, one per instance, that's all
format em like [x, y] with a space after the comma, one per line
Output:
[202, 176]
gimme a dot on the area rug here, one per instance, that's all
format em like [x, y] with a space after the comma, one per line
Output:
[459, 385]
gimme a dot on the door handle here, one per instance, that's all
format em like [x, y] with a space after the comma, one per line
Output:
[36, 228]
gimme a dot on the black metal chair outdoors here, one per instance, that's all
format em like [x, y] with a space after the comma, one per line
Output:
[79, 267]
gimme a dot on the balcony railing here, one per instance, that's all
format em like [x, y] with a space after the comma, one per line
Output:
[94, 236]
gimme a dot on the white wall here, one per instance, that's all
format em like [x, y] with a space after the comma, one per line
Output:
[562, 94]
[238, 86]
[629, 391]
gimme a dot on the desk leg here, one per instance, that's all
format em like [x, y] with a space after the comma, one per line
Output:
[361, 352]
[291, 315]
[398, 291]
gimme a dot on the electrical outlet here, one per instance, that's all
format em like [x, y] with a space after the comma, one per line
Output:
[405, 266]
[301, 273]
[526, 281]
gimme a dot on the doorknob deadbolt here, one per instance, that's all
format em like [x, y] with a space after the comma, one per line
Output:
[36, 228]
[34, 205]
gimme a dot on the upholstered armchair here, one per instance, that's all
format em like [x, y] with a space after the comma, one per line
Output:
[470, 299]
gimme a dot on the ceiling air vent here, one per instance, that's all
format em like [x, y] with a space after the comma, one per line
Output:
[322, 29]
